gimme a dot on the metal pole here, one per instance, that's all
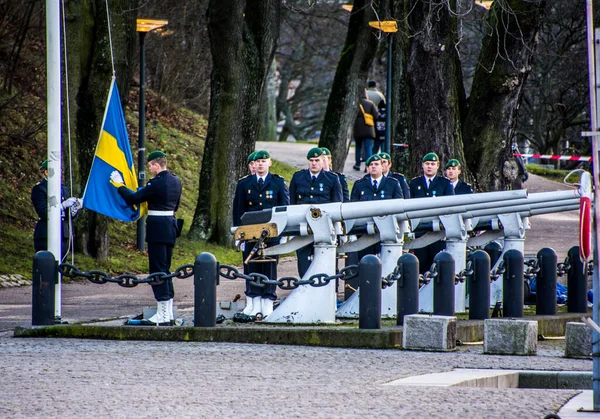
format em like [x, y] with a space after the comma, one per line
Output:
[595, 214]
[206, 276]
[443, 287]
[141, 232]
[576, 283]
[54, 138]
[388, 97]
[479, 286]
[407, 290]
[546, 282]
[44, 277]
[369, 306]
[512, 287]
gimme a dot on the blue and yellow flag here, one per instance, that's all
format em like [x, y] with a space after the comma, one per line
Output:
[113, 152]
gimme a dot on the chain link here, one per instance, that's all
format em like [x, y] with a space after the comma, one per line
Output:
[532, 268]
[392, 277]
[462, 275]
[563, 268]
[497, 272]
[124, 280]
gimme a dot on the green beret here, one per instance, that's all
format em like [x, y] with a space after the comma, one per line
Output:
[261, 154]
[314, 152]
[374, 157]
[452, 163]
[385, 156]
[251, 157]
[45, 165]
[155, 155]
[431, 157]
[326, 151]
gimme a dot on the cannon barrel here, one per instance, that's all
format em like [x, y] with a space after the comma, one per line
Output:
[288, 218]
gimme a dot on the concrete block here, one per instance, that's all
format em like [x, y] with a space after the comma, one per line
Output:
[578, 340]
[429, 333]
[510, 337]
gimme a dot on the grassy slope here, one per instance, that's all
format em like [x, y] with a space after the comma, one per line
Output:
[179, 132]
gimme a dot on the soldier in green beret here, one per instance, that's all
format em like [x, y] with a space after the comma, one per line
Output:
[252, 163]
[430, 184]
[453, 171]
[163, 194]
[257, 192]
[386, 167]
[313, 186]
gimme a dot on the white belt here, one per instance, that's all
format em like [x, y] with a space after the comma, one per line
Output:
[161, 213]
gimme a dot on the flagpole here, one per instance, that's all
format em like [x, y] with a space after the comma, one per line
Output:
[54, 139]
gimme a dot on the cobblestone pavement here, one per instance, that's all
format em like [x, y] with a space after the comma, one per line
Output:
[114, 379]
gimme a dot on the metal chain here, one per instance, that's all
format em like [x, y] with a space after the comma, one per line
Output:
[392, 277]
[563, 268]
[497, 272]
[124, 280]
[288, 283]
[532, 268]
[462, 275]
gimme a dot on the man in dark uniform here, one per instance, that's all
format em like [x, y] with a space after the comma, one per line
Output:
[162, 193]
[429, 185]
[39, 199]
[453, 171]
[327, 166]
[257, 192]
[375, 187]
[313, 186]
[386, 167]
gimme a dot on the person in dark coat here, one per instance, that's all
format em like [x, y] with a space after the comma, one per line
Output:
[430, 184]
[257, 192]
[69, 208]
[313, 186]
[364, 130]
[453, 171]
[163, 195]
[327, 166]
[375, 187]
[386, 167]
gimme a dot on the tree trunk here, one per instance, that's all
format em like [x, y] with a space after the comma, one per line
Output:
[350, 81]
[90, 74]
[243, 38]
[504, 63]
[435, 88]
[268, 109]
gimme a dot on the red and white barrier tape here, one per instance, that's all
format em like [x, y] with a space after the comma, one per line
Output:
[554, 157]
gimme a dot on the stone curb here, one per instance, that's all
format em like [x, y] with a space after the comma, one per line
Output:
[329, 336]
[15, 280]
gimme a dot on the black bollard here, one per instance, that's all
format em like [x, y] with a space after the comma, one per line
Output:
[512, 284]
[407, 287]
[443, 286]
[479, 284]
[45, 278]
[545, 297]
[577, 279]
[494, 249]
[369, 305]
[206, 272]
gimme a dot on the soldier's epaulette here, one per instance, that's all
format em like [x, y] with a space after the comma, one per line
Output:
[244, 177]
[278, 176]
[398, 173]
[416, 177]
[361, 180]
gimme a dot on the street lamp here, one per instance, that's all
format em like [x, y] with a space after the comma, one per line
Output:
[143, 27]
[387, 26]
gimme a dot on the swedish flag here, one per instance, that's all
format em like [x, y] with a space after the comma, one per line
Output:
[113, 152]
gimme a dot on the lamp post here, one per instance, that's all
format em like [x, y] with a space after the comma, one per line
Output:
[143, 27]
[387, 26]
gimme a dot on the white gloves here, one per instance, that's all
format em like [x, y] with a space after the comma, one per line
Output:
[116, 177]
[76, 207]
[69, 202]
